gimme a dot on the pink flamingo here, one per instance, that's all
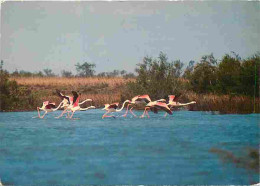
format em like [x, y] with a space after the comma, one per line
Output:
[68, 103]
[137, 100]
[113, 108]
[172, 102]
[154, 106]
[47, 107]
[75, 104]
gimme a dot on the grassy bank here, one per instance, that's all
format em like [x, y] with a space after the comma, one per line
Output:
[101, 90]
[109, 90]
[225, 104]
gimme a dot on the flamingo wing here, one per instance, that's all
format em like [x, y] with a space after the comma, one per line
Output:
[164, 107]
[171, 98]
[134, 98]
[63, 96]
[50, 106]
[113, 105]
[146, 98]
[75, 96]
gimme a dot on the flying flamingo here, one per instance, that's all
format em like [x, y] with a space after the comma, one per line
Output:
[75, 104]
[172, 102]
[68, 103]
[47, 107]
[113, 108]
[137, 100]
[154, 106]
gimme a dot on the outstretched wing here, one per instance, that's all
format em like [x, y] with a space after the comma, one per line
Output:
[75, 96]
[62, 96]
[113, 105]
[146, 98]
[171, 98]
[164, 107]
[50, 106]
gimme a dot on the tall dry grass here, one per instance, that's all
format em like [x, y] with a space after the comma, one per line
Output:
[68, 82]
[225, 104]
[101, 90]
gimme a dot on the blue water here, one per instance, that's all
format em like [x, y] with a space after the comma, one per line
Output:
[91, 150]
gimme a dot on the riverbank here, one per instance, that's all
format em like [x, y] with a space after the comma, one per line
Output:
[35, 90]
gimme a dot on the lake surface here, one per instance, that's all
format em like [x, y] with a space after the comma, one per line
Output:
[91, 150]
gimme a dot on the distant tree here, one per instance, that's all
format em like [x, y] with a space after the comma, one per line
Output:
[48, 72]
[178, 65]
[65, 73]
[156, 77]
[101, 74]
[115, 73]
[85, 70]
[189, 69]
[250, 73]
[204, 77]
[122, 72]
[40, 74]
[8, 90]
[228, 74]
[129, 75]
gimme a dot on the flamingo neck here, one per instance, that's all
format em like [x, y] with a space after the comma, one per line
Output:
[85, 101]
[58, 107]
[122, 106]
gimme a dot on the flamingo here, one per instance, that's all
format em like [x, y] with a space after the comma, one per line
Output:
[137, 100]
[172, 102]
[68, 103]
[75, 104]
[113, 108]
[47, 107]
[155, 105]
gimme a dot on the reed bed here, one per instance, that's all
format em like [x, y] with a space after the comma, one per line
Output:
[224, 104]
[109, 90]
[70, 82]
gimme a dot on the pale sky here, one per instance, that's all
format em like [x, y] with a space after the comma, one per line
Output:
[117, 35]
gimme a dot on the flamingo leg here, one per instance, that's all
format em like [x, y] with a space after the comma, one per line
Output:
[68, 114]
[39, 115]
[147, 114]
[167, 113]
[72, 114]
[132, 112]
[44, 114]
[126, 111]
[62, 113]
[143, 113]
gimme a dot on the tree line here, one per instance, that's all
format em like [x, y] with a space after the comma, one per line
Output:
[85, 69]
[159, 77]
[230, 75]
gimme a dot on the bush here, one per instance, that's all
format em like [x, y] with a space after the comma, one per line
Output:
[156, 77]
